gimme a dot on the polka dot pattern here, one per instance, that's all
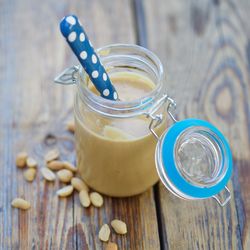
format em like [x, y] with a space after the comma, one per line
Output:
[78, 41]
[104, 77]
[115, 96]
[94, 59]
[83, 55]
[72, 37]
[82, 37]
[105, 92]
[71, 20]
[95, 74]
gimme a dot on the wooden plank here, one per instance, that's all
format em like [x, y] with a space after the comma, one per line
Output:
[235, 90]
[33, 113]
[205, 49]
[235, 31]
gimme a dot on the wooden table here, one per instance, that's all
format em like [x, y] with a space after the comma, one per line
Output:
[205, 48]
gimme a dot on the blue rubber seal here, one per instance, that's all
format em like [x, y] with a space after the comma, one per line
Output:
[168, 144]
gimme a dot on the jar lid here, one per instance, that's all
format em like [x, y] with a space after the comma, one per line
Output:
[193, 159]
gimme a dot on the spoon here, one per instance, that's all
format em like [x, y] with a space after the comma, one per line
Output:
[77, 39]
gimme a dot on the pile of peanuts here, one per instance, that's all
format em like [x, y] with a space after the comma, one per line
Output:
[65, 173]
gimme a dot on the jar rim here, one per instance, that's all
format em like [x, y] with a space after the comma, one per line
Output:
[123, 108]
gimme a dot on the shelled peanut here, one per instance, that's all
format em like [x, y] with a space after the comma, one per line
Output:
[96, 199]
[48, 174]
[84, 198]
[21, 159]
[20, 203]
[30, 174]
[65, 191]
[104, 233]
[78, 184]
[52, 155]
[31, 162]
[119, 226]
[111, 246]
[64, 175]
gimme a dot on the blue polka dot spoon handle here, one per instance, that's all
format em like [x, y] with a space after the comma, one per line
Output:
[82, 48]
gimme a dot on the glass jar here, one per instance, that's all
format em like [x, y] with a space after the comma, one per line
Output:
[121, 166]
[123, 147]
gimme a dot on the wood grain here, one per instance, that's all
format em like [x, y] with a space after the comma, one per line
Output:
[205, 48]
[236, 33]
[33, 114]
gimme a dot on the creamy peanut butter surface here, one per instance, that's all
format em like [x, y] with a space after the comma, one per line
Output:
[115, 156]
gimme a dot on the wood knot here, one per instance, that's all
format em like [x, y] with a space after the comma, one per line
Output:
[199, 19]
[172, 23]
[50, 140]
[224, 102]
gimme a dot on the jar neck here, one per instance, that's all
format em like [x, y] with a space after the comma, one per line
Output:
[124, 58]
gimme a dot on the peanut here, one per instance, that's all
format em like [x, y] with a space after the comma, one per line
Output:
[21, 159]
[69, 166]
[20, 203]
[48, 174]
[31, 163]
[55, 165]
[104, 233]
[111, 246]
[52, 155]
[84, 198]
[30, 174]
[78, 184]
[65, 191]
[96, 199]
[64, 175]
[119, 226]
[71, 126]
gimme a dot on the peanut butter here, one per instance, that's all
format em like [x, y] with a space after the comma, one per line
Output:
[115, 156]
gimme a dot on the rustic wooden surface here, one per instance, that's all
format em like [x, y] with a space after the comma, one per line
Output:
[205, 48]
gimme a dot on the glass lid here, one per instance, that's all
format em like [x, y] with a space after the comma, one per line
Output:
[193, 159]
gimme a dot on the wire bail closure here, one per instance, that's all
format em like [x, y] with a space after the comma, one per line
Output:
[68, 77]
[224, 196]
[222, 201]
[156, 119]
